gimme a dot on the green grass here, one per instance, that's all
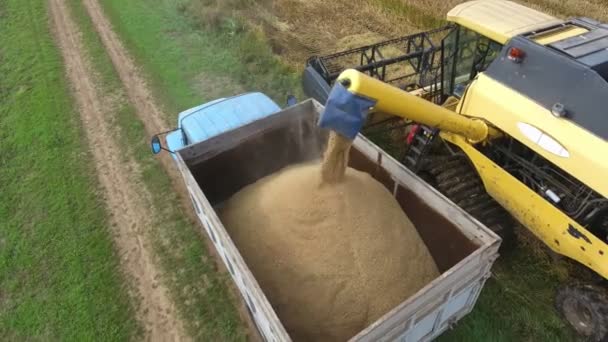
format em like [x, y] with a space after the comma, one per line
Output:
[59, 275]
[185, 63]
[516, 303]
[198, 289]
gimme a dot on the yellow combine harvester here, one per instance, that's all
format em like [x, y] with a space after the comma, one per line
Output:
[507, 114]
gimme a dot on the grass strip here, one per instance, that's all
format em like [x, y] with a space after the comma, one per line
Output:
[197, 287]
[59, 273]
[185, 63]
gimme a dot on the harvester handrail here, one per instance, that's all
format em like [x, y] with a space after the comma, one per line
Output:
[421, 50]
[383, 43]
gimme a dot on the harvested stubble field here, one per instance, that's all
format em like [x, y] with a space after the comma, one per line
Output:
[297, 29]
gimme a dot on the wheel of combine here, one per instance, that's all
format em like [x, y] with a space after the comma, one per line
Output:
[458, 180]
[585, 308]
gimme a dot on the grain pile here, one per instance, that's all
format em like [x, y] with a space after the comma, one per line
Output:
[331, 257]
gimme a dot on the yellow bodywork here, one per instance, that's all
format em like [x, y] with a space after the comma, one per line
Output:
[548, 223]
[553, 36]
[500, 20]
[490, 110]
[506, 109]
[390, 100]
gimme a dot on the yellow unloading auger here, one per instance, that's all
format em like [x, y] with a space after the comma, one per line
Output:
[355, 95]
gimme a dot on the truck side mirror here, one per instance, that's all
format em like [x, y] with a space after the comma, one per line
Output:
[156, 145]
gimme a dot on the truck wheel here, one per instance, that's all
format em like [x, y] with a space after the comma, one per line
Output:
[585, 307]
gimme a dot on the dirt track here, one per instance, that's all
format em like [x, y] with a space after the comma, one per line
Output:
[150, 114]
[135, 86]
[127, 204]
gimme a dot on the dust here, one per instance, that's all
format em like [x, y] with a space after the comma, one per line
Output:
[331, 259]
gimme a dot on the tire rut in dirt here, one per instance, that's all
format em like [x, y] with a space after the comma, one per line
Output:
[151, 114]
[135, 85]
[127, 204]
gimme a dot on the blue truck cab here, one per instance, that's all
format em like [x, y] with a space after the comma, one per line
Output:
[215, 117]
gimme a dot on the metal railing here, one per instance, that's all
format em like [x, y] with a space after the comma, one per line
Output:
[411, 62]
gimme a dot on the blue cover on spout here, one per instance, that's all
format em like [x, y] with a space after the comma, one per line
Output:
[345, 112]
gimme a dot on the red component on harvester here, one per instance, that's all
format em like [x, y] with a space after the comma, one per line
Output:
[516, 54]
[412, 134]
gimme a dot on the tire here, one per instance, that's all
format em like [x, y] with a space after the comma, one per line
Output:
[585, 308]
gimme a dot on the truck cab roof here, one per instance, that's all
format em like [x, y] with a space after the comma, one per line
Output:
[218, 116]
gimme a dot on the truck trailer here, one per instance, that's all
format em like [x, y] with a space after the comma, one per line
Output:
[226, 144]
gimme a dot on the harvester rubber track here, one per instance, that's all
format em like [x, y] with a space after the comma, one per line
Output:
[457, 179]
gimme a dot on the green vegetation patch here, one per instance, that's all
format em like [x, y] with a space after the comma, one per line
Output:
[59, 274]
[199, 290]
[516, 304]
[189, 63]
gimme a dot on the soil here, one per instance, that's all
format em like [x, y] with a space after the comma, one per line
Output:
[331, 258]
[128, 205]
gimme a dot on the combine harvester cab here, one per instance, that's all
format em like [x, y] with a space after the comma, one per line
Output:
[227, 144]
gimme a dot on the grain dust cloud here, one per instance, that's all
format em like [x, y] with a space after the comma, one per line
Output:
[329, 245]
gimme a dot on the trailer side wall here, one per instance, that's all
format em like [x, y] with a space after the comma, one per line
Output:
[463, 249]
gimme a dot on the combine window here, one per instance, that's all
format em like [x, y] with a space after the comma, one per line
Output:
[466, 53]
